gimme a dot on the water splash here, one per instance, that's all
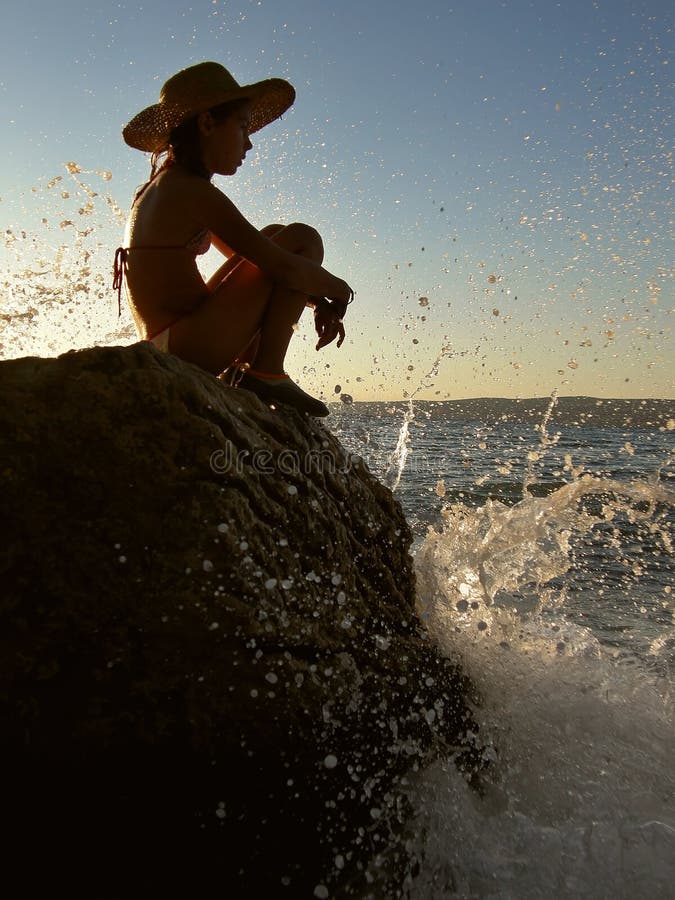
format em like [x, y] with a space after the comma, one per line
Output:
[516, 552]
[544, 442]
[394, 470]
[396, 465]
[56, 289]
[580, 804]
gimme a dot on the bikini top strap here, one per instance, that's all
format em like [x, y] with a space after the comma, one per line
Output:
[198, 244]
[120, 268]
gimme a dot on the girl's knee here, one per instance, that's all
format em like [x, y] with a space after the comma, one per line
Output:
[302, 239]
[270, 230]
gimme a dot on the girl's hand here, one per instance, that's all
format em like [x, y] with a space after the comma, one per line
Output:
[328, 325]
[347, 294]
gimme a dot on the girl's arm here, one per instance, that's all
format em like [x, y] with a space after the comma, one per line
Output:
[221, 246]
[229, 228]
[222, 271]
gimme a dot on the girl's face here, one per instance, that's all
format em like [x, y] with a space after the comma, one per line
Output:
[225, 144]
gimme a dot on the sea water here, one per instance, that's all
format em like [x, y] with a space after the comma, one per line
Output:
[544, 561]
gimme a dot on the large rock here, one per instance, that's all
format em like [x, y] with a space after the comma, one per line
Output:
[213, 674]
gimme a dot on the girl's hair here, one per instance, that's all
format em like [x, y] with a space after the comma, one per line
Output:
[184, 145]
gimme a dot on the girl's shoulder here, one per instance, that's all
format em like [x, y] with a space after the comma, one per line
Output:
[174, 189]
[185, 204]
[186, 187]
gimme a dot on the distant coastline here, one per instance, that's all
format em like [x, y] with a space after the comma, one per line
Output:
[606, 412]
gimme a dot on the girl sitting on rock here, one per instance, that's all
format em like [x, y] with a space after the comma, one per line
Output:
[242, 318]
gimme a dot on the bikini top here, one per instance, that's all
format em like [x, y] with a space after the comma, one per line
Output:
[197, 245]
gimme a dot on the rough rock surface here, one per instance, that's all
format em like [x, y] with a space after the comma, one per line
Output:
[213, 677]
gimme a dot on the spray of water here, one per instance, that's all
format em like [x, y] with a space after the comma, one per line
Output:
[580, 803]
[56, 288]
[516, 552]
[397, 460]
[544, 441]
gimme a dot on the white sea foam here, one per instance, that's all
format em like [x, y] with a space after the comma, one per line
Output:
[580, 798]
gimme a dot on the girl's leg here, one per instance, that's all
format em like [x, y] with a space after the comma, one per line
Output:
[249, 353]
[245, 302]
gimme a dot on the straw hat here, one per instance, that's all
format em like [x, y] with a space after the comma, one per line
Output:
[196, 89]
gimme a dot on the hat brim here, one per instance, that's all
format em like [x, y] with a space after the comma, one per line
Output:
[150, 129]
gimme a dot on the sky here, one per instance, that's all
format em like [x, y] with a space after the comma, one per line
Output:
[490, 176]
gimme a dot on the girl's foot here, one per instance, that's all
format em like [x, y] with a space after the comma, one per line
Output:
[281, 389]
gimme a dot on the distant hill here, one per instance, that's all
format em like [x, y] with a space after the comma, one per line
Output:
[654, 413]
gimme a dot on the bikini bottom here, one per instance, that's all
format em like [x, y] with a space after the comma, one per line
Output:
[161, 340]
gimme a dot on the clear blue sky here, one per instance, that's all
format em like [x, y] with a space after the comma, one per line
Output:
[490, 175]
